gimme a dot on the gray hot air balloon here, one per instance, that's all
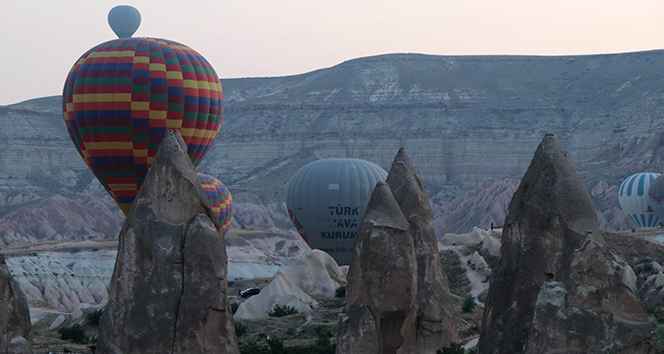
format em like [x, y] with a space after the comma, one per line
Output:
[124, 20]
[656, 198]
[326, 201]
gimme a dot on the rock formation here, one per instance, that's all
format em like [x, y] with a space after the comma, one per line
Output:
[435, 323]
[558, 287]
[14, 315]
[168, 290]
[315, 275]
[381, 298]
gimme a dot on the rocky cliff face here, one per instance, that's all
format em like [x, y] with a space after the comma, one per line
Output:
[169, 287]
[381, 298]
[470, 123]
[435, 320]
[559, 288]
[14, 315]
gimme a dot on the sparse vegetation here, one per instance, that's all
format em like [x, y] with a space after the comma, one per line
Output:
[93, 318]
[468, 304]
[659, 337]
[454, 348]
[273, 345]
[240, 329]
[74, 334]
[281, 311]
[340, 292]
[276, 346]
[234, 307]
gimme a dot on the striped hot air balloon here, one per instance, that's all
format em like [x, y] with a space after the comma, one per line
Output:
[656, 197]
[120, 98]
[635, 201]
[326, 201]
[220, 199]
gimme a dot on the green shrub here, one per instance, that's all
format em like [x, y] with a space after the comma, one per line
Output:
[276, 346]
[93, 318]
[234, 307]
[659, 337]
[74, 334]
[253, 347]
[454, 348]
[281, 311]
[468, 304]
[340, 292]
[240, 329]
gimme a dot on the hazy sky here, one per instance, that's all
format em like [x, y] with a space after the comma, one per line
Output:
[40, 40]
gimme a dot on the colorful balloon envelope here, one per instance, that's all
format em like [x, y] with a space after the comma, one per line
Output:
[220, 198]
[635, 202]
[122, 96]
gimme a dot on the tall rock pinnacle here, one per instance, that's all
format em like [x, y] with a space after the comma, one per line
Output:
[381, 301]
[168, 290]
[558, 289]
[435, 323]
[14, 315]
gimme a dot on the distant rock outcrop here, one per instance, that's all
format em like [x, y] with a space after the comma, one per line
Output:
[559, 288]
[316, 275]
[14, 315]
[435, 323]
[168, 290]
[381, 297]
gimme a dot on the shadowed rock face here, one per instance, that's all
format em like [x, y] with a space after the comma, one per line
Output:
[381, 295]
[168, 290]
[435, 323]
[14, 315]
[558, 288]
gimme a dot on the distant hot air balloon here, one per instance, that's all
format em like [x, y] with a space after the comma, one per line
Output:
[326, 201]
[220, 199]
[120, 98]
[124, 20]
[656, 197]
[635, 202]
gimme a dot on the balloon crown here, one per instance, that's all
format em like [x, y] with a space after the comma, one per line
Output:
[124, 20]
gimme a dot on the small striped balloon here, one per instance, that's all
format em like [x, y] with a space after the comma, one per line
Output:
[635, 201]
[220, 198]
[122, 96]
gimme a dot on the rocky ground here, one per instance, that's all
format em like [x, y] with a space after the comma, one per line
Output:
[466, 259]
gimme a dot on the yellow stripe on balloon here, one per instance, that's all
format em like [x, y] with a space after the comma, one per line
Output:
[174, 124]
[141, 152]
[112, 54]
[201, 85]
[197, 133]
[102, 97]
[140, 106]
[157, 67]
[157, 114]
[141, 60]
[174, 75]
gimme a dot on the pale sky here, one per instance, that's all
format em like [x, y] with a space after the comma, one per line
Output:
[40, 40]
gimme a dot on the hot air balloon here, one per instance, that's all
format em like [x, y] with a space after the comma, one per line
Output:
[635, 201]
[120, 98]
[326, 200]
[220, 199]
[124, 20]
[656, 197]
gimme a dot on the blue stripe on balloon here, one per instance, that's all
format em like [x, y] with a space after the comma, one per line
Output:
[641, 185]
[629, 186]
